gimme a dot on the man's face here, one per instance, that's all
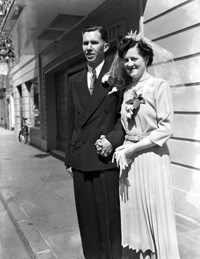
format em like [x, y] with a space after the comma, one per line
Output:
[94, 48]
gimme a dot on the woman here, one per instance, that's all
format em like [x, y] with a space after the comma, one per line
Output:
[147, 212]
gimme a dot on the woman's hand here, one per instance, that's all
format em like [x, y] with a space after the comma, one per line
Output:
[122, 154]
[128, 148]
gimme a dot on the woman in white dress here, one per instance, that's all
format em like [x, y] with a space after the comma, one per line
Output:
[147, 212]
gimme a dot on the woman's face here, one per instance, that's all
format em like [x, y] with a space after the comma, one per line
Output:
[134, 63]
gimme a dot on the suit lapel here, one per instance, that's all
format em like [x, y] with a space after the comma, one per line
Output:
[98, 95]
[82, 88]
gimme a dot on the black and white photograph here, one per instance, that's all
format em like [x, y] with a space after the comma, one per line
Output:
[99, 129]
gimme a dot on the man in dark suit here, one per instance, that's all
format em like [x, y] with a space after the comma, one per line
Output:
[93, 132]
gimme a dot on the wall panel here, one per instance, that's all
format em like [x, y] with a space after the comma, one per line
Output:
[186, 99]
[161, 6]
[175, 26]
[187, 204]
[26, 73]
[188, 71]
[187, 126]
[186, 179]
[185, 152]
[182, 44]
[186, 16]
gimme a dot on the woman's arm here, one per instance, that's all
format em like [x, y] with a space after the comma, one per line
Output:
[124, 153]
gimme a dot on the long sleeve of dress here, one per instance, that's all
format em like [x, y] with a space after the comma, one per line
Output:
[164, 112]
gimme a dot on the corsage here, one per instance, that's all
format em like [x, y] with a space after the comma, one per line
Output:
[133, 104]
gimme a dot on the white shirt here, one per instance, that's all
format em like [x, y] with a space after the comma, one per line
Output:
[97, 69]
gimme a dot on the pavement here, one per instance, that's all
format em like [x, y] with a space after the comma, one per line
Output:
[9, 235]
[37, 193]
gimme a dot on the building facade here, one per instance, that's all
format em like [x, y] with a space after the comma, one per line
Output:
[40, 82]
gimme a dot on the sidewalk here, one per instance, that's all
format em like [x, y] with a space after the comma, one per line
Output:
[38, 195]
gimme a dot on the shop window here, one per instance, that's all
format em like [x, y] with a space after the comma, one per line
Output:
[36, 105]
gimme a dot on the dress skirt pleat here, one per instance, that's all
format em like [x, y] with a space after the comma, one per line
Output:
[148, 220]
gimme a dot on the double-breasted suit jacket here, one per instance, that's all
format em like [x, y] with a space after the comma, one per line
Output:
[89, 117]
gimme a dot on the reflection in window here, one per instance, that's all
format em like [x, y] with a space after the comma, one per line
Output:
[36, 105]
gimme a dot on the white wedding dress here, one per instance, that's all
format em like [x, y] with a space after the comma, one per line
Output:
[147, 215]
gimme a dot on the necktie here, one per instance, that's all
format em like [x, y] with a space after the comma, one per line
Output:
[92, 82]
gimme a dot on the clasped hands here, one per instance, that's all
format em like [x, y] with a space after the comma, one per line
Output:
[103, 146]
[121, 154]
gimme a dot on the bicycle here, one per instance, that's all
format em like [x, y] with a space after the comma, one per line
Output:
[23, 133]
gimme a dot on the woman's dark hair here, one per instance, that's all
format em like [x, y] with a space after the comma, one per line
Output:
[144, 48]
[100, 29]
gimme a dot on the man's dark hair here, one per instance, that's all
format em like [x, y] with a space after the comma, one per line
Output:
[100, 29]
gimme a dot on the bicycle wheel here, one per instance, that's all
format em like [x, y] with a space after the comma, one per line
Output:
[21, 136]
[25, 134]
[25, 137]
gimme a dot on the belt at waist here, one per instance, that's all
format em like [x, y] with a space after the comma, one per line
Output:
[136, 138]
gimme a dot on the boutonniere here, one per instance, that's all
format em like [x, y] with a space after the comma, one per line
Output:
[133, 104]
[112, 86]
[105, 79]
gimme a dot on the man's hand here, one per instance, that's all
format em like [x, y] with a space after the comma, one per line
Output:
[103, 146]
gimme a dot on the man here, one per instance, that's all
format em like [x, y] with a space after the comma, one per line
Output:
[93, 132]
